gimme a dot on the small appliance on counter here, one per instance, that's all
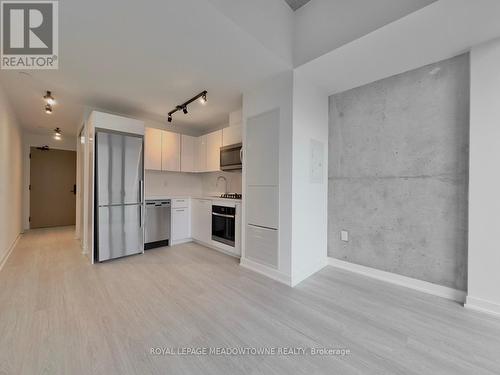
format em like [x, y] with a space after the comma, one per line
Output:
[158, 219]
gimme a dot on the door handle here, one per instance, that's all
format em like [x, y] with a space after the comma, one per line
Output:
[74, 190]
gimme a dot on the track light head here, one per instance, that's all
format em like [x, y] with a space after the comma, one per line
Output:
[169, 119]
[49, 99]
[57, 134]
[48, 109]
[203, 98]
[185, 110]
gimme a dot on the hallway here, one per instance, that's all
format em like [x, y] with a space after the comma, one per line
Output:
[61, 315]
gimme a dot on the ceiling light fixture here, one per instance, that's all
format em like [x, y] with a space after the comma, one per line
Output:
[183, 107]
[49, 99]
[203, 99]
[57, 134]
[48, 109]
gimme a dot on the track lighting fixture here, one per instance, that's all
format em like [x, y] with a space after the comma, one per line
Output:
[48, 109]
[183, 107]
[49, 99]
[57, 134]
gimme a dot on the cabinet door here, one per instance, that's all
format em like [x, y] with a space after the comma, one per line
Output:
[171, 151]
[201, 223]
[200, 153]
[262, 149]
[214, 143]
[180, 224]
[152, 149]
[231, 135]
[188, 145]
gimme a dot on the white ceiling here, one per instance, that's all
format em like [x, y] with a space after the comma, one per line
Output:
[141, 59]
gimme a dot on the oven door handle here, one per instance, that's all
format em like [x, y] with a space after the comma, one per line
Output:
[222, 215]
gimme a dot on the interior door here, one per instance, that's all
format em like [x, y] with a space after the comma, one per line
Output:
[52, 188]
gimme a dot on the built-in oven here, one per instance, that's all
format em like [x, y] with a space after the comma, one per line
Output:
[223, 224]
[231, 157]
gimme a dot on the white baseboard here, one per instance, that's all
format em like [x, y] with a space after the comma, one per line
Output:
[7, 254]
[180, 242]
[220, 250]
[266, 271]
[304, 274]
[482, 305]
[422, 286]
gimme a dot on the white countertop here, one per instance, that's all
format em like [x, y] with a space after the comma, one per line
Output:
[207, 197]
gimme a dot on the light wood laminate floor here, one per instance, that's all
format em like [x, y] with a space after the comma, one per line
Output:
[61, 315]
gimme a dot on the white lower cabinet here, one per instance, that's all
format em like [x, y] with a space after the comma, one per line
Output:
[181, 221]
[201, 222]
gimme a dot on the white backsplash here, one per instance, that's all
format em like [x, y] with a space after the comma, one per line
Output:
[210, 186]
[192, 184]
[172, 183]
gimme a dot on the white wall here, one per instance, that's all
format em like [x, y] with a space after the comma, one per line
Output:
[275, 93]
[484, 179]
[11, 166]
[38, 140]
[309, 195]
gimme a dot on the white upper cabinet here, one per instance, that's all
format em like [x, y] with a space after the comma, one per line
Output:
[200, 154]
[214, 143]
[152, 149]
[231, 135]
[168, 151]
[171, 151]
[188, 147]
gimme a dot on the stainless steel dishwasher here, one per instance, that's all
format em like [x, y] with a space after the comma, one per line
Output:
[157, 231]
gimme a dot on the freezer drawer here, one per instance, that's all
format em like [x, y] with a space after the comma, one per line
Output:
[262, 245]
[120, 231]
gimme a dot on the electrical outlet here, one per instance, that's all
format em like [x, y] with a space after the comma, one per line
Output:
[344, 235]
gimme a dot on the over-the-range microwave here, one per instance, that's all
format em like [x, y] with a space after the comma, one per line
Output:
[231, 157]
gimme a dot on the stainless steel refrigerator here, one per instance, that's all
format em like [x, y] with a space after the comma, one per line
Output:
[119, 195]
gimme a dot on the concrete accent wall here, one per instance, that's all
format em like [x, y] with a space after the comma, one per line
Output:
[398, 173]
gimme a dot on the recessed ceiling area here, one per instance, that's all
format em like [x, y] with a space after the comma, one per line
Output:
[296, 4]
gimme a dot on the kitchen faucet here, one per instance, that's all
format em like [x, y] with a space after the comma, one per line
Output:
[225, 180]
